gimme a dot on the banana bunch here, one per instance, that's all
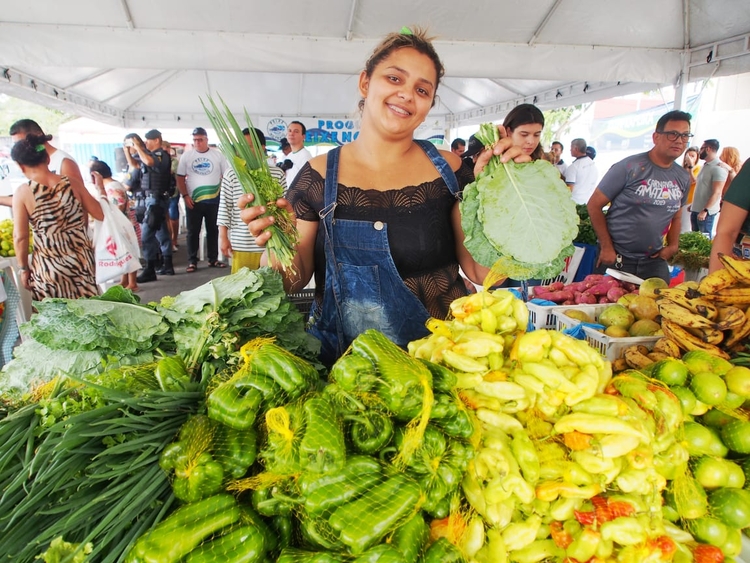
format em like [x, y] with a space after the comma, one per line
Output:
[711, 316]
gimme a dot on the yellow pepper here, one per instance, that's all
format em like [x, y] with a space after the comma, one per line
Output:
[625, 530]
[532, 346]
[521, 534]
[551, 490]
[539, 550]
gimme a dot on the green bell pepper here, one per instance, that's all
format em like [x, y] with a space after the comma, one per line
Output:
[197, 481]
[183, 530]
[442, 508]
[249, 516]
[322, 448]
[318, 534]
[196, 474]
[324, 492]
[235, 403]
[459, 425]
[443, 379]
[282, 526]
[354, 374]
[294, 375]
[243, 544]
[236, 450]
[443, 406]
[442, 551]
[410, 538]
[403, 377]
[172, 375]
[370, 431]
[382, 553]
[271, 502]
[293, 555]
[366, 520]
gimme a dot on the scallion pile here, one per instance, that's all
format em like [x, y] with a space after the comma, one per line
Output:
[249, 163]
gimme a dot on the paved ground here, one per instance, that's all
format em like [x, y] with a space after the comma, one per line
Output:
[181, 281]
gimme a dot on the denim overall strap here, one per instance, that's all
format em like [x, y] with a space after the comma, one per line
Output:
[326, 319]
[363, 288]
[449, 177]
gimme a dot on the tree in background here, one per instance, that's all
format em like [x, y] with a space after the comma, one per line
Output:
[13, 109]
[557, 122]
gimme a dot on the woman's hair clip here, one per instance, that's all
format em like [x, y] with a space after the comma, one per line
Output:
[406, 31]
[39, 148]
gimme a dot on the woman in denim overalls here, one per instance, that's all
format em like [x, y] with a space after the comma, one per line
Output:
[379, 222]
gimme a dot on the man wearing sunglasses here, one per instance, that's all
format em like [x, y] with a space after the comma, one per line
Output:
[645, 192]
[708, 188]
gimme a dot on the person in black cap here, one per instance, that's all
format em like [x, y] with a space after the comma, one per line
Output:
[199, 176]
[155, 164]
[285, 163]
[473, 148]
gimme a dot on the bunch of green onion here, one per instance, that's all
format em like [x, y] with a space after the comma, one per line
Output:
[251, 167]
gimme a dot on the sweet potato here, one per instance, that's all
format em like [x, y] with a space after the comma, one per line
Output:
[568, 302]
[585, 299]
[557, 286]
[576, 287]
[615, 293]
[594, 277]
[603, 299]
[603, 287]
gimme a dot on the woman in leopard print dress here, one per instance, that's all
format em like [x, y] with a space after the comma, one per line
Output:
[62, 262]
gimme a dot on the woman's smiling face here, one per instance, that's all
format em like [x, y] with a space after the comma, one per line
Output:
[401, 89]
[527, 137]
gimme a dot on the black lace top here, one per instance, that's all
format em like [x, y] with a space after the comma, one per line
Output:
[420, 232]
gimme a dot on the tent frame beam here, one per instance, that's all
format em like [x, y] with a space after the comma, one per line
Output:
[31, 87]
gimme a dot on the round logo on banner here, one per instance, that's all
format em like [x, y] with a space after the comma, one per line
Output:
[276, 128]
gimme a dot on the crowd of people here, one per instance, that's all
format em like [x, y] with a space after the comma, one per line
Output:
[57, 203]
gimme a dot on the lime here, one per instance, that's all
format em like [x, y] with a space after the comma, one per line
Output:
[686, 397]
[670, 371]
[738, 381]
[708, 388]
[710, 472]
[708, 530]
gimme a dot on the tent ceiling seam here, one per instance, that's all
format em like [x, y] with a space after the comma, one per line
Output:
[542, 25]
[172, 75]
[128, 16]
[350, 23]
[88, 78]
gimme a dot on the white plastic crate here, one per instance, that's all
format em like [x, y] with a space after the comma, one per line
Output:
[608, 346]
[545, 316]
[613, 348]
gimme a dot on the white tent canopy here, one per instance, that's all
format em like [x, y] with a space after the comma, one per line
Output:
[139, 63]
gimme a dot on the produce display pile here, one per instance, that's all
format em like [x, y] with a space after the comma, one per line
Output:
[6, 239]
[209, 433]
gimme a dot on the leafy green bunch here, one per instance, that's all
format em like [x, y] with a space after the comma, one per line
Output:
[693, 251]
[519, 219]
[251, 167]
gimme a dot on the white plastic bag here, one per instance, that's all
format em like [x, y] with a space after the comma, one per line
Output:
[116, 250]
